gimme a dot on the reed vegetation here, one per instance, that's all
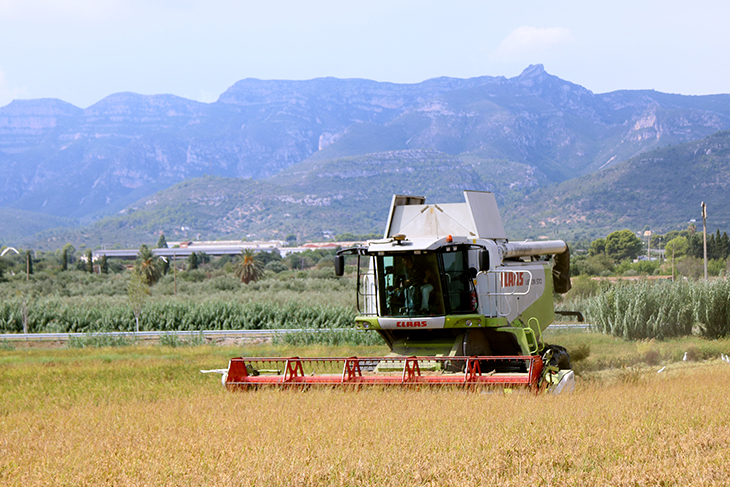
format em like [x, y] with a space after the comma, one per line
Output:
[311, 300]
[640, 310]
[86, 303]
[57, 315]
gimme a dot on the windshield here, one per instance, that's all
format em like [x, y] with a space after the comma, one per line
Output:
[425, 284]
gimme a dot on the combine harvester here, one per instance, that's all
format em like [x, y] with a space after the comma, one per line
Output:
[456, 302]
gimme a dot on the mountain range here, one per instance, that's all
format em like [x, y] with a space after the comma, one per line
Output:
[329, 153]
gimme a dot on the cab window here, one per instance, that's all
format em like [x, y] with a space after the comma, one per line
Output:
[410, 285]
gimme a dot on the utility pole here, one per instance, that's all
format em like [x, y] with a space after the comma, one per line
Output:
[704, 233]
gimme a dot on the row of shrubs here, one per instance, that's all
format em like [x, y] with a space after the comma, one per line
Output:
[662, 309]
[54, 315]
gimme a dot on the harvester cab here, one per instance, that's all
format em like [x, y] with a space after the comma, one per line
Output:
[450, 294]
[444, 280]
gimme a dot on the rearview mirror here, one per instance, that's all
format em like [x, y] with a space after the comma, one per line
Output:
[483, 260]
[339, 265]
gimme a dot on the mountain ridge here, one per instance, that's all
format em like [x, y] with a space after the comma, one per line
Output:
[84, 164]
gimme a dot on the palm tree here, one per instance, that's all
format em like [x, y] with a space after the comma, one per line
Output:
[146, 265]
[248, 269]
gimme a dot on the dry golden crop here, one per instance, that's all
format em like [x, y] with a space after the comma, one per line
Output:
[146, 416]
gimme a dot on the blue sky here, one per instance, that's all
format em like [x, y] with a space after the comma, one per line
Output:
[83, 50]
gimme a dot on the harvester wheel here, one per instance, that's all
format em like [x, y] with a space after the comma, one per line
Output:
[560, 358]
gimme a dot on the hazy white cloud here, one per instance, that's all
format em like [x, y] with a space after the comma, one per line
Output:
[532, 39]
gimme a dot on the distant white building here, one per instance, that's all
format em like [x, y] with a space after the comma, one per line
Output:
[182, 249]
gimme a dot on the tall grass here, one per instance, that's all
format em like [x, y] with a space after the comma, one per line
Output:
[640, 310]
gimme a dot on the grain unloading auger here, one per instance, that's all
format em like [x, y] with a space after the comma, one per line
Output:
[456, 302]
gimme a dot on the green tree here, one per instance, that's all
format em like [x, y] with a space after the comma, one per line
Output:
[696, 245]
[192, 261]
[64, 259]
[718, 246]
[595, 265]
[723, 246]
[276, 266]
[678, 247]
[162, 242]
[598, 247]
[298, 260]
[203, 258]
[656, 240]
[70, 252]
[104, 265]
[715, 267]
[622, 245]
[248, 268]
[265, 257]
[146, 266]
[89, 262]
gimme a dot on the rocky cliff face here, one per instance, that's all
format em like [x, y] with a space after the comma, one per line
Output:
[62, 160]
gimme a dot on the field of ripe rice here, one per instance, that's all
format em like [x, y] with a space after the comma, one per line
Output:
[144, 415]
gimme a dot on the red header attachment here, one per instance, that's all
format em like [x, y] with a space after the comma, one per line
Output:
[504, 371]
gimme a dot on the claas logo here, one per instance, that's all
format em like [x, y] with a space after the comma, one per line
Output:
[510, 279]
[411, 324]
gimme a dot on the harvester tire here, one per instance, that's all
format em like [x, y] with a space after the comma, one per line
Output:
[560, 358]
